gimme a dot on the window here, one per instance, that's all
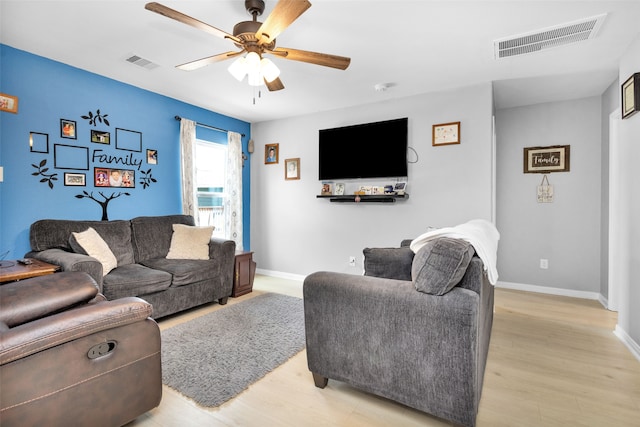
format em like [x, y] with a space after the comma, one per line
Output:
[210, 182]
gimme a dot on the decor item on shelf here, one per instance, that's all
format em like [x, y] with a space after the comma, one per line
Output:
[327, 189]
[256, 39]
[446, 134]
[271, 152]
[631, 96]
[339, 189]
[292, 169]
[400, 188]
[546, 159]
[8, 103]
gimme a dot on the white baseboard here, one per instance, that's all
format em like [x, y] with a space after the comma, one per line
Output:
[280, 274]
[633, 346]
[551, 291]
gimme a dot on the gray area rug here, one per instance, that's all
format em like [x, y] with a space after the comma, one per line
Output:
[215, 357]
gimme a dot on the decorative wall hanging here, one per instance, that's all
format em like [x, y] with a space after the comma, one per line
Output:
[545, 191]
[129, 140]
[631, 96]
[104, 203]
[39, 142]
[146, 179]
[8, 103]
[152, 157]
[105, 177]
[68, 129]
[70, 157]
[546, 159]
[446, 134]
[271, 152]
[292, 169]
[100, 137]
[75, 179]
[94, 119]
[46, 177]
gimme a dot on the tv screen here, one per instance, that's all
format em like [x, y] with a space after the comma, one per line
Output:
[370, 150]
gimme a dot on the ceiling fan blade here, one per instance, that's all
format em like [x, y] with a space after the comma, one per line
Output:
[274, 85]
[282, 15]
[186, 19]
[194, 65]
[324, 59]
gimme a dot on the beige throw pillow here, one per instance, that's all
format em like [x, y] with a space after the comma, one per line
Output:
[96, 247]
[189, 242]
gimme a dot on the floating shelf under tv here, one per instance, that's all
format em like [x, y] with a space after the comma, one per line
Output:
[377, 198]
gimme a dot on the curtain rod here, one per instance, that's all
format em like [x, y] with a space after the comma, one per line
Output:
[178, 118]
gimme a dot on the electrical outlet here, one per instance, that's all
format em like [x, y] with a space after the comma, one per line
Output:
[352, 261]
[544, 263]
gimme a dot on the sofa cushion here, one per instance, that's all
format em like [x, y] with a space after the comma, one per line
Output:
[54, 234]
[93, 245]
[134, 280]
[185, 271]
[190, 242]
[151, 235]
[440, 265]
[388, 263]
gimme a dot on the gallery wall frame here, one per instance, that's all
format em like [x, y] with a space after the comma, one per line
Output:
[292, 169]
[70, 157]
[271, 154]
[39, 142]
[8, 103]
[128, 140]
[100, 137]
[630, 96]
[68, 129]
[108, 177]
[446, 134]
[72, 179]
[555, 158]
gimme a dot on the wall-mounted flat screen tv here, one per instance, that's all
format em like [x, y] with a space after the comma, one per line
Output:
[370, 150]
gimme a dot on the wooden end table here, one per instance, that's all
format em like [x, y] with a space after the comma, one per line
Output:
[243, 274]
[21, 271]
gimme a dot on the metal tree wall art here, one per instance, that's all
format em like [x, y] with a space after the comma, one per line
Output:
[104, 203]
[97, 118]
[41, 169]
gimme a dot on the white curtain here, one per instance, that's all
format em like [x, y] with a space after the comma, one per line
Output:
[187, 156]
[233, 203]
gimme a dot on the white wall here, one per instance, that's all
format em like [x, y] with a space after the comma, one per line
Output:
[567, 231]
[629, 313]
[296, 233]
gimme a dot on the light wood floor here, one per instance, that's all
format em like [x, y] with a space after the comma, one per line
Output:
[553, 361]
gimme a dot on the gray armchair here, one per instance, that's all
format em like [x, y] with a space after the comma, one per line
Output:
[383, 336]
[70, 357]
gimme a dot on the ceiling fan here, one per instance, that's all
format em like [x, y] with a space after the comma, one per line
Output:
[256, 38]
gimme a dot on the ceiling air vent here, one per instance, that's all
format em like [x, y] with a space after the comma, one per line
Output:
[141, 62]
[548, 38]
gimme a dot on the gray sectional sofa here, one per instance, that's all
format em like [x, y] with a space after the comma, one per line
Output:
[140, 246]
[415, 329]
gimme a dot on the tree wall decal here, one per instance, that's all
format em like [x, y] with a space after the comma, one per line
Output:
[46, 177]
[103, 203]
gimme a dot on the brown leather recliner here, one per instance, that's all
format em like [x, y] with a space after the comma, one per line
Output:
[70, 357]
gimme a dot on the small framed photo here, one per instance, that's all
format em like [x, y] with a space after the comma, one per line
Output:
[8, 103]
[292, 169]
[39, 142]
[105, 177]
[100, 137]
[547, 159]
[152, 157]
[271, 152]
[631, 96]
[75, 179]
[68, 129]
[400, 188]
[339, 189]
[446, 134]
[327, 189]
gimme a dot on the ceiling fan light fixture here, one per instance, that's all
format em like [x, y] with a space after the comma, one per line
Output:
[238, 68]
[269, 70]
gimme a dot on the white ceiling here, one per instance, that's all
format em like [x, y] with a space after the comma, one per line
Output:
[416, 46]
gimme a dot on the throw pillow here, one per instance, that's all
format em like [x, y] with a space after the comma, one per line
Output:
[93, 245]
[190, 242]
[440, 265]
[388, 263]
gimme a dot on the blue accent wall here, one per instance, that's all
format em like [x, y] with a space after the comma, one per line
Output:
[49, 91]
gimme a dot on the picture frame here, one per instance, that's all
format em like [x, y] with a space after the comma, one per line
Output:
[446, 134]
[75, 179]
[271, 153]
[70, 157]
[630, 96]
[327, 189]
[68, 129]
[39, 142]
[292, 169]
[8, 103]
[100, 137]
[152, 156]
[106, 177]
[400, 188]
[549, 159]
[339, 189]
[128, 140]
